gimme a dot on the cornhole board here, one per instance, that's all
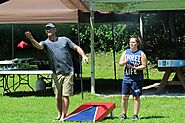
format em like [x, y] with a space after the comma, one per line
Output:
[91, 111]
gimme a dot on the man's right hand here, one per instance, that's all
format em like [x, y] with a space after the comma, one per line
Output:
[33, 41]
[29, 35]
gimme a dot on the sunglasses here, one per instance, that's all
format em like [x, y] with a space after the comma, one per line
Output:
[48, 28]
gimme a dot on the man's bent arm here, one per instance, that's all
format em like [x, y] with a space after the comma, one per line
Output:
[81, 52]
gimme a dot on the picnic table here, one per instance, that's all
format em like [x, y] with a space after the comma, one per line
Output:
[23, 78]
[179, 71]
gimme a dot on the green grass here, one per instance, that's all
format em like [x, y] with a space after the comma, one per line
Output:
[104, 68]
[38, 109]
[34, 109]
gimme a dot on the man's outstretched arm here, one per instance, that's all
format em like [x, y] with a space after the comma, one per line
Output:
[33, 41]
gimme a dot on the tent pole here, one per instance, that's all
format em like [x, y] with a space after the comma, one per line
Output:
[142, 38]
[81, 81]
[79, 58]
[141, 26]
[92, 48]
[114, 54]
[12, 41]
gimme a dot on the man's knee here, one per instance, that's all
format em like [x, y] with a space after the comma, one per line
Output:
[66, 98]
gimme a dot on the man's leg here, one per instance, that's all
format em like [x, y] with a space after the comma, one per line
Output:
[59, 107]
[57, 80]
[67, 90]
[65, 106]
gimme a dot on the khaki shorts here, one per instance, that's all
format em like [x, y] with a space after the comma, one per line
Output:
[63, 84]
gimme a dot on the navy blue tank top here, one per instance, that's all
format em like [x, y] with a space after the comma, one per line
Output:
[134, 58]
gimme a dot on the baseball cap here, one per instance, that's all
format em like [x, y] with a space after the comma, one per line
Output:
[51, 25]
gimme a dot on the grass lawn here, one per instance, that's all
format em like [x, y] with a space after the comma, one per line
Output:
[104, 68]
[41, 109]
[35, 109]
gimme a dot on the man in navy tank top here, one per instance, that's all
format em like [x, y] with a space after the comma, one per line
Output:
[134, 60]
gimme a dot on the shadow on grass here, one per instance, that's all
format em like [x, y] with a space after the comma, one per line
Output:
[154, 117]
[142, 118]
[48, 92]
[110, 118]
[103, 86]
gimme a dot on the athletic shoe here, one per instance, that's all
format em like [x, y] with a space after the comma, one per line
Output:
[135, 117]
[123, 116]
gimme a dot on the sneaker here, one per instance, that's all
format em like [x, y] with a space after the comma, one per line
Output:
[135, 117]
[123, 116]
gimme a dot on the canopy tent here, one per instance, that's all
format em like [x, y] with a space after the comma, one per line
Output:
[74, 11]
[56, 11]
[130, 6]
[41, 11]
[138, 5]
